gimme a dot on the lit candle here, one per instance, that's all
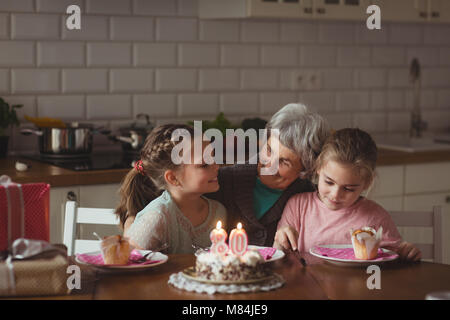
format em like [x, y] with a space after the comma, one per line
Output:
[218, 237]
[238, 240]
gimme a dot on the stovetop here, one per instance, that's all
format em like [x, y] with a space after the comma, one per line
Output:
[95, 161]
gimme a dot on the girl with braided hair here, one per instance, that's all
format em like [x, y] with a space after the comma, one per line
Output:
[167, 199]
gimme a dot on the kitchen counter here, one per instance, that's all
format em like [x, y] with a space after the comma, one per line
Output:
[60, 177]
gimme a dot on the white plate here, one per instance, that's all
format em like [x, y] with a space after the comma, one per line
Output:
[156, 256]
[348, 262]
[276, 256]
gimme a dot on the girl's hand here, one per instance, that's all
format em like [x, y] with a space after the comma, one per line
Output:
[286, 238]
[408, 252]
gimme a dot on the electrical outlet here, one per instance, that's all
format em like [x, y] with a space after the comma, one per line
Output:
[306, 80]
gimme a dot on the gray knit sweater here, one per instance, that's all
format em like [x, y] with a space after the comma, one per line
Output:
[236, 194]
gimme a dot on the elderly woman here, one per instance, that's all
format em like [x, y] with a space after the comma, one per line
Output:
[257, 200]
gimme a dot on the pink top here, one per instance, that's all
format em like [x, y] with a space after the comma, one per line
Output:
[316, 224]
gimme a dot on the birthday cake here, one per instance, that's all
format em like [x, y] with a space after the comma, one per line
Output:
[231, 267]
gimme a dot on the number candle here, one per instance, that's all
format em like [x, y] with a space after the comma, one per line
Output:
[238, 240]
[218, 237]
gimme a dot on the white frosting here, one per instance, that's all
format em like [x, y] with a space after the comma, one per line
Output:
[250, 258]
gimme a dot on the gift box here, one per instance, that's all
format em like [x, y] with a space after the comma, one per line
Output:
[24, 211]
[34, 268]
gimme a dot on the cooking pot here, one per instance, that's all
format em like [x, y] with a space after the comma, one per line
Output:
[74, 139]
[133, 137]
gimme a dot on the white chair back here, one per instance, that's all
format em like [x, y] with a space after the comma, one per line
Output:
[74, 216]
[433, 219]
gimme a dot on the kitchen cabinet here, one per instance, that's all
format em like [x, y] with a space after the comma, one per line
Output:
[391, 10]
[317, 9]
[95, 196]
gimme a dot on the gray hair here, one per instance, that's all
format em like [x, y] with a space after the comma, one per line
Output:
[302, 131]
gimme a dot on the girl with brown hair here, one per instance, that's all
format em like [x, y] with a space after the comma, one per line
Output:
[167, 198]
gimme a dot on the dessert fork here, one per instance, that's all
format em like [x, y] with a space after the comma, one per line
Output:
[149, 254]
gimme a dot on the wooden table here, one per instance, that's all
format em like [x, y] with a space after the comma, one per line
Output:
[318, 280]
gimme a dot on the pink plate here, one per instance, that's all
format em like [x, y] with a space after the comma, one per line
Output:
[342, 254]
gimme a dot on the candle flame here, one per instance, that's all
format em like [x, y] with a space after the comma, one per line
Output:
[219, 225]
[239, 226]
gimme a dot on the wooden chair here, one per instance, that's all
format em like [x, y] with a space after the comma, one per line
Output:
[74, 216]
[431, 219]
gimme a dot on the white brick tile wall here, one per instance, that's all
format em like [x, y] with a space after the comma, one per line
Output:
[132, 28]
[131, 80]
[84, 80]
[179, 29]
[271, 102]
[58, 6]
[4, 81]
[17, 6]
[428, 99]
[67, 107]
[155, 7]
[398, 122]
[279, 55]
[444, 56]
[352, 100]
[398, 78]
[299, 32]
[155, 54]
[35, 81]
[198, 104]
[395, 99]
[259, 31]
[337, 32]
[108, 6]
[198, 55]
[259, 79]
[428, 56]
[377, 100]
[111, 106]
[223, 31]
[435, 77]
[35, 26]
[353, 56]
[4, 26]
[17, 53]
[92, 28]
[371, 122]
[405, 33]
[337, 79]
[109, 54]
[56, 53]
[388, 56]
[188, 8]
[370, 78]
[323, 101]
[437, 34]
[176, 79]
[156, 105]
[219, 79]
[443, 100]
[239, 55]
[318, 56]
[239, 103]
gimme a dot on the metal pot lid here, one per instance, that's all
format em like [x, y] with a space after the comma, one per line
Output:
[140, 125]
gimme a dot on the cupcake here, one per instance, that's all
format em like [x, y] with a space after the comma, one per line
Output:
[366, 242]
[115, 250]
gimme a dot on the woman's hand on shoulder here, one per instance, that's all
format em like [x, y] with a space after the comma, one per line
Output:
[286, 238]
